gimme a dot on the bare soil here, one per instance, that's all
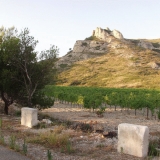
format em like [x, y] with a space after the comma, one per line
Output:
[86, 146]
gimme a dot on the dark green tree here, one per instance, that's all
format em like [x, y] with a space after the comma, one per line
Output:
[21, 65]
[9, 88]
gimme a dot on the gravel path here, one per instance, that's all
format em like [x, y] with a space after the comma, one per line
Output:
[8, 154]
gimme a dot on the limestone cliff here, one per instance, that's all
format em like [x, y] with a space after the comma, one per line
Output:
[82, 50]
[106, 34]
[101, 42]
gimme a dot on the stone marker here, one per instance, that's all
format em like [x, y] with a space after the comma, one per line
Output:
[29, 117]
[133, 139]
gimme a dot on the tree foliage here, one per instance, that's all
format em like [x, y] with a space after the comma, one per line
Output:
[23, 71]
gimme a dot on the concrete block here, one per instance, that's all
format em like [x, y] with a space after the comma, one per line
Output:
[133, 139]
[29, 117]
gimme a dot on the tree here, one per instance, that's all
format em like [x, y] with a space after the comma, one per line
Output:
[9, 88]
[31, 73]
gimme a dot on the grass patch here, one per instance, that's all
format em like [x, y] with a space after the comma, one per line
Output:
[51, 139]
[2, 141]
[59, 129]
[68, 148]
[12, 142]
[152, 150]
[63, 65]
[49, 155]
[40, 125]
[92, 38]
[105, 70]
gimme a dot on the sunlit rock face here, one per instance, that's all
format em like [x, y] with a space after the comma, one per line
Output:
[82, 50]
[117, 34]
[106, 34]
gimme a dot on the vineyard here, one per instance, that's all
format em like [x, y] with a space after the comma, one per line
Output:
[100, 98]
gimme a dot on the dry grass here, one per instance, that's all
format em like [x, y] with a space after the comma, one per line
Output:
[120, 68]
[50, 139]
[59, 129]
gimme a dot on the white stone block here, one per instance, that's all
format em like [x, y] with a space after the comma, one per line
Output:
[133, 139]
[29, 117]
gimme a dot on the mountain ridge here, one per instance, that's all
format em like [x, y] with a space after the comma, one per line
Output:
[112, 62]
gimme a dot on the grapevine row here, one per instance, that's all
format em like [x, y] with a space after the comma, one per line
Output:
[94, 97]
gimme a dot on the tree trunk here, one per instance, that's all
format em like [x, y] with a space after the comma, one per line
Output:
[147, 112]
[8, 101]
[29, 101]
[6, 108]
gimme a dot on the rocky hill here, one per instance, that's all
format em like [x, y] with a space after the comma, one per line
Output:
[108, 59]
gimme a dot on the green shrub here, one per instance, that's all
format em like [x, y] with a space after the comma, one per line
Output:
[101, 111]
[92, 38]
[84, 44]
[40, 125]
[24, 147]
[42, 101]
[158, 114]
[17, 148]
[12, 142]
[63, 65]
[85, 127]
[2, 141]
[93, 101]
[49, 155]
[97, 47]
[67, 149]
[152, 151]
[18, 113]
[75, 83]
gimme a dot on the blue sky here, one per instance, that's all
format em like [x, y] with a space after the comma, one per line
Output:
[62, 22]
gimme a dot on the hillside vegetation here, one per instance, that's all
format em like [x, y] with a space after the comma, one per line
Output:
[130, 66]
[107, 59]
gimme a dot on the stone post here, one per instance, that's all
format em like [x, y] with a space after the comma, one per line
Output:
[133, 139]
[29, 117]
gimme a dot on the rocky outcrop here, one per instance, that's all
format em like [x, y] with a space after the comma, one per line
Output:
[117, 34]
[145, 44]
[106, 34]
[102, 41]
[82, 50]
[90, 47]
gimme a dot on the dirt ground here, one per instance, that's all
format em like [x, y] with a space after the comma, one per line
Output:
[87, 146]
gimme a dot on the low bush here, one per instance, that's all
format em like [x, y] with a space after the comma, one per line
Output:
[51, 139]
[92, 38]
[152, 149]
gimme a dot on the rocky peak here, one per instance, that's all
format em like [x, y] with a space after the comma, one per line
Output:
[106, 34]
[100, 43]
